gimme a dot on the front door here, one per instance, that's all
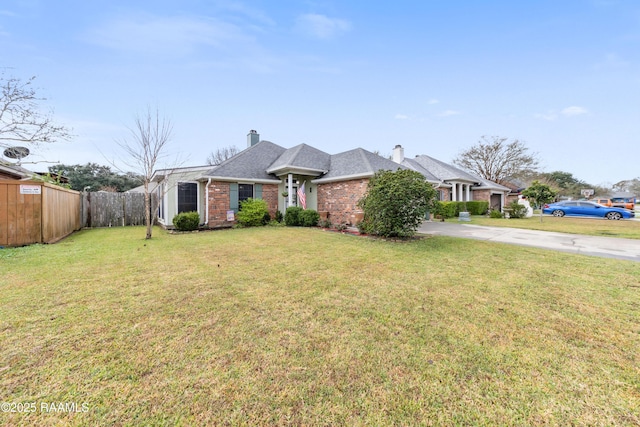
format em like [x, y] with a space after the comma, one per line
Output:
[495, 202]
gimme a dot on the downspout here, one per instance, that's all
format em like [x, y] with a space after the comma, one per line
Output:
[206, 197]
[290, 189]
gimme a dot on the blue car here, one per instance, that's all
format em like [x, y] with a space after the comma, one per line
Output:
[586, 208]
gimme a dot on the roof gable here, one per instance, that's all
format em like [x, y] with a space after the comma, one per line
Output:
[413, 165]
[302, 157]
[249, 164]
[444, 171]
[356, 163]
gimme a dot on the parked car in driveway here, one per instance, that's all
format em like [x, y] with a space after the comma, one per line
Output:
[603, 202]
[623, 202]
[586, 208]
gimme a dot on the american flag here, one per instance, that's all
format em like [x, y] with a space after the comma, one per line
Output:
[302, 198]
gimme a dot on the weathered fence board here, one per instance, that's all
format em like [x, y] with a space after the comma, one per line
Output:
[102, 209]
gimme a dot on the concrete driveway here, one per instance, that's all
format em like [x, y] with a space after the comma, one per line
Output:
[607, 247]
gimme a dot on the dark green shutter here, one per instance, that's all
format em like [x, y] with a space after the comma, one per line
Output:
[257, 189]
[233, 196]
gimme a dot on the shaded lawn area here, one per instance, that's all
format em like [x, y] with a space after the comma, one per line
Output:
[273, 326]
[625, 228]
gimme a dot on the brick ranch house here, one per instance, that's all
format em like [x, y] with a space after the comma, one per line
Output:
[333, 184]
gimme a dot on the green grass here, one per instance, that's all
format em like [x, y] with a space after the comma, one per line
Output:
[276, 326]
[590, 226]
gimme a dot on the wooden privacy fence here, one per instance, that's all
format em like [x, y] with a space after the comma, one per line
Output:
[102, 209]
[36, 212]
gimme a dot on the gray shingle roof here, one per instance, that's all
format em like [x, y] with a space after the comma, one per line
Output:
[301, 157]
[444, 171]
[249, 164]
[357, 163]
[412, 164]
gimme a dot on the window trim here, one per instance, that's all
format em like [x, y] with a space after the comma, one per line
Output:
[177, 205]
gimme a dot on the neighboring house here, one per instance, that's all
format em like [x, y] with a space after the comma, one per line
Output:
[12, 171]
[333, 184]
[452, 183]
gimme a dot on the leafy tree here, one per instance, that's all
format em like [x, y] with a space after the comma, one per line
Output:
[97, 177]
[396, 203]
[21, 120]
[540, 194]
[564, 182]
[222, 154]
[496, 159]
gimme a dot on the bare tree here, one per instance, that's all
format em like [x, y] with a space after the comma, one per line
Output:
[496, 159]
[144, 149]
[628, 185]
[222, 154]
[21, 121]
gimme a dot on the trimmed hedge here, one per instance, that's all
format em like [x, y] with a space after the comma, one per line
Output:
[296, 216]
[309, 218]
[453, 209]
[292, 216]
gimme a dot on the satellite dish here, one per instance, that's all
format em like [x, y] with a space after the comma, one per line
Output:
[18, 153]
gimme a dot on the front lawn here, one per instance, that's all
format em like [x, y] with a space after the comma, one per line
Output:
[629, 229]
[275, 326]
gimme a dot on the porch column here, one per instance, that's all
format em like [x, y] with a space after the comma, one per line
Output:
[454, 192]
[289, 190]
[468, 188]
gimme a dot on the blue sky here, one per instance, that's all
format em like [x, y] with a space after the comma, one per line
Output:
[433, 76]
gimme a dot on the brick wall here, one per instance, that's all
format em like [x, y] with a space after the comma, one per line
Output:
[219, 202]
[270, 195]
[482, 195]
[446, 194]
[340, 200]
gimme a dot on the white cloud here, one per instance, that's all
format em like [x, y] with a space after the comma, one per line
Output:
[433, 101]
[321, 26]
[573, 111]
[401, 117]
[549, 116]
[169, 35]
[448, 113]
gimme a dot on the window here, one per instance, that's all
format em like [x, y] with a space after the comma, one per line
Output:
[245, 191]
[187, 197]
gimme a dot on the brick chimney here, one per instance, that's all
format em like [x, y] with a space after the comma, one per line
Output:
[253, 137]
[398, 154]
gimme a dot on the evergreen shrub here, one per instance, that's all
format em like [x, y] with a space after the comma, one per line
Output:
[186, 221]
[253, 213]
[309, 218]
[292, 216]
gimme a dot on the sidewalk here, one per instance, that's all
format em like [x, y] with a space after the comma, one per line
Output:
[607, 247]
